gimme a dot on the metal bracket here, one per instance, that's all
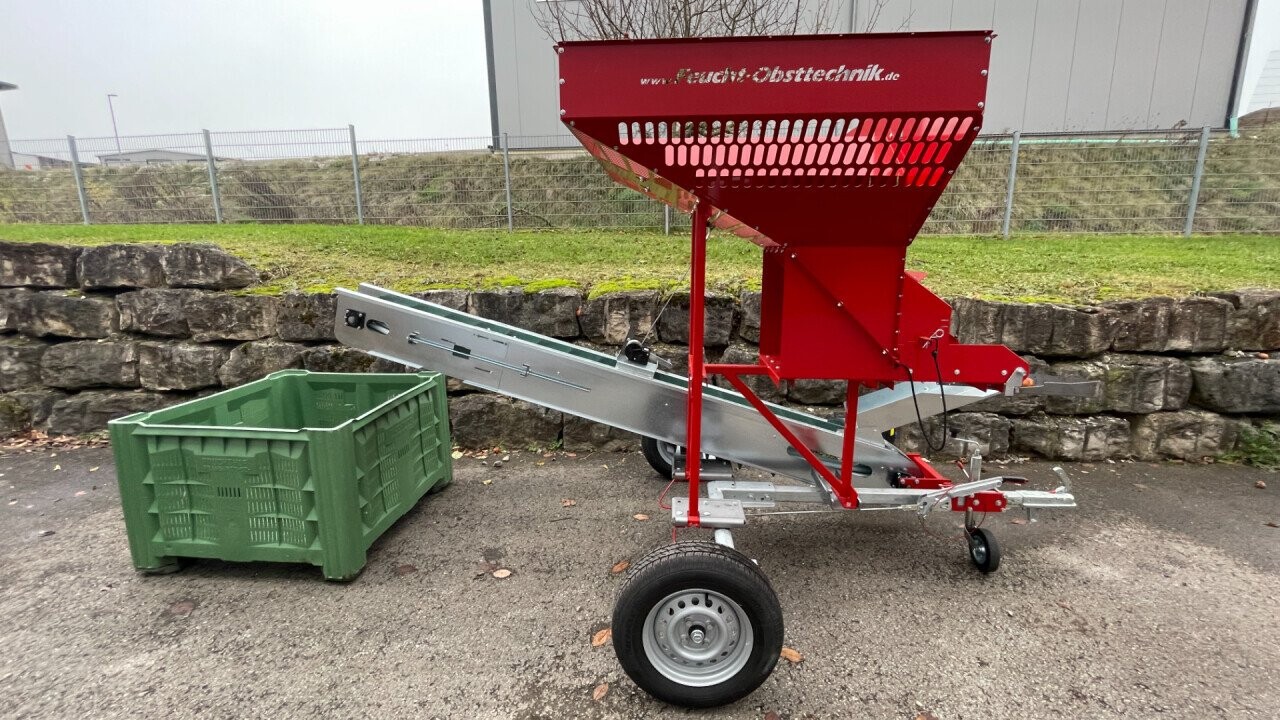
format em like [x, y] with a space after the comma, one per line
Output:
[1014, 382]
[710, 469]
[711, 513]
[927, 503]
[523, 370]
[1061, 387]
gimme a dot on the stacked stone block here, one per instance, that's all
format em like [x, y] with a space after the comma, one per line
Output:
[91, 333]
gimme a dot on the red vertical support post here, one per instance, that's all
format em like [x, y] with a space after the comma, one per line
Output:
[697, 375]
[846, 449]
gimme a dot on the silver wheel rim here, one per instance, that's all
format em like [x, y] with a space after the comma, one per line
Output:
[697, 638]
[978, 549]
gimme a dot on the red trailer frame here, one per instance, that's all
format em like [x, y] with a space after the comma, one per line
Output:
[827, 151]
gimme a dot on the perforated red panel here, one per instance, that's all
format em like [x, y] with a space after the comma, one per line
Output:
[791, 137]
[882, 152]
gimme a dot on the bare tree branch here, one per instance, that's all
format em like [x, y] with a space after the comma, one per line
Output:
[618, 19]
[873, 19]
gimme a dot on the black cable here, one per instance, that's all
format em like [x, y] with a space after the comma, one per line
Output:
[928, 441]
[942, 393]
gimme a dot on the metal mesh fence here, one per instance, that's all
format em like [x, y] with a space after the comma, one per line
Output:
[454, 183]
[1240, 187]
[973, 203]
[43, 189]
[1132, 184]
[562, 186]
[1135, 183]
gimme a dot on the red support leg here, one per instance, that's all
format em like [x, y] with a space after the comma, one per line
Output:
[845, 492]
[850, 430]
[697, 289]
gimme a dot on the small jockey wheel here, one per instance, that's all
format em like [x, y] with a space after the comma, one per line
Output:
[697, 624]
[984, 551]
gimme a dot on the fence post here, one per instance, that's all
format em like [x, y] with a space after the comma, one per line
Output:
[506, 174]
[213, 177]
[355, 175]
[1198, 173]
[75, 170]
[1010, 183]
[666, 218]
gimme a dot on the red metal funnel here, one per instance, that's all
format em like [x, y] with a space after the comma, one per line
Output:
[828, 151]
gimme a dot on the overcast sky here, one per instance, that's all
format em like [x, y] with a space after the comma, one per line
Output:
[394, 68]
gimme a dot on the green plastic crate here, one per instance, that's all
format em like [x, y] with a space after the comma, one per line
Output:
[295, 467]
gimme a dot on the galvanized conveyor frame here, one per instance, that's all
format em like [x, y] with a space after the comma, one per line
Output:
[649, 401]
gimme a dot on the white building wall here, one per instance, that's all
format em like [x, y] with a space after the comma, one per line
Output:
[1266, 94]
[6, 155]
[1057, 65]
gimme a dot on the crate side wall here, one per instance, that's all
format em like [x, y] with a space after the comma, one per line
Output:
[400, 455]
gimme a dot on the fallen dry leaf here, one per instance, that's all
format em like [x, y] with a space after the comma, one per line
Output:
[405, 569]
[771, 715]
[1270, 524]
[81, 493]
[541, 463]
[568, 502]
[59, 467]
[457, 455]
[36, 439]
[502, 573]
[93, 469]
[487, 481]
[791, 656]
[1018, 521]
[640, 516]
[620, 566]
[926, 715]
[601, 690]
[1260, 485]
[606, 685]
[182, 608]
[601, 637]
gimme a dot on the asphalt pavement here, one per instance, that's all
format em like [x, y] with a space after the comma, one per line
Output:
[1158, 597]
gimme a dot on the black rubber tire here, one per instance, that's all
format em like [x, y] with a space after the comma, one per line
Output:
[705, 565]
[984, 551]
[649, 446]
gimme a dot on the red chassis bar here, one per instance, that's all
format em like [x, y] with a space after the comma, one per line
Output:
[927, 476]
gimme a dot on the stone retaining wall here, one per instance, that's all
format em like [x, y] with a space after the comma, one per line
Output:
[87, 334]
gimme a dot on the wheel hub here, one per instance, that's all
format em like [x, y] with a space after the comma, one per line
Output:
[697, 637]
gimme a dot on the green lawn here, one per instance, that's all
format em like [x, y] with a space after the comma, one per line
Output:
[1076, 268]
